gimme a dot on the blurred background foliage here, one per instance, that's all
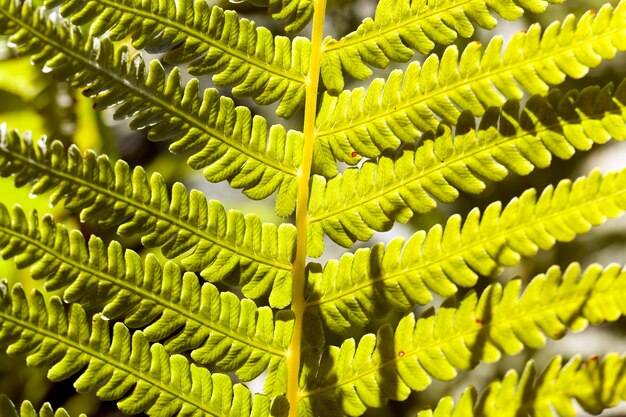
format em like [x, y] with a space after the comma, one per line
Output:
[31, 100]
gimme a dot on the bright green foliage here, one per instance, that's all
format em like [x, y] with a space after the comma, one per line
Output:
[403, 274]
[555, 388]
[376, 195]
[120, 366]
[229, 297]
[217, 328]
[459, 336]
[407, 103]
[225, 141]
[262, 66]
[297, 12]
[399, 27]
[221, 242]
[8, 409]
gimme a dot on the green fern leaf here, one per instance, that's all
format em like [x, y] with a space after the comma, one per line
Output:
[556, 387]
[218, 327]
[120, 366]
[223, 244]
[353, 204]
[594, 384]
[392, 364]
[446, 407]
[297, 13]
[399, 27]
[8, 409]
[347, 292]
[260, 65]
[410, 142]
[407, 103]
[224, 140]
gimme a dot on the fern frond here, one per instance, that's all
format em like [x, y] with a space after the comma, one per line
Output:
[227, 142]
[407, 103]
[399, 27]
[446, 406]
[218, 327]
[392, 364]
[8, 409]
[258, 64]
[352, 205]
[120, 366]
[595, 385]
[346, 292]
[297, 13]
[218, 244]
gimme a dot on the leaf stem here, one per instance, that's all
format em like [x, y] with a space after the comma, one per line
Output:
[304, 174]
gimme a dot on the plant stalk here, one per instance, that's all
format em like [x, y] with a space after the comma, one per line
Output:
[298, 304]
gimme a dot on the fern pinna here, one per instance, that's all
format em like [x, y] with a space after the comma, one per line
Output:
[229, 298]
